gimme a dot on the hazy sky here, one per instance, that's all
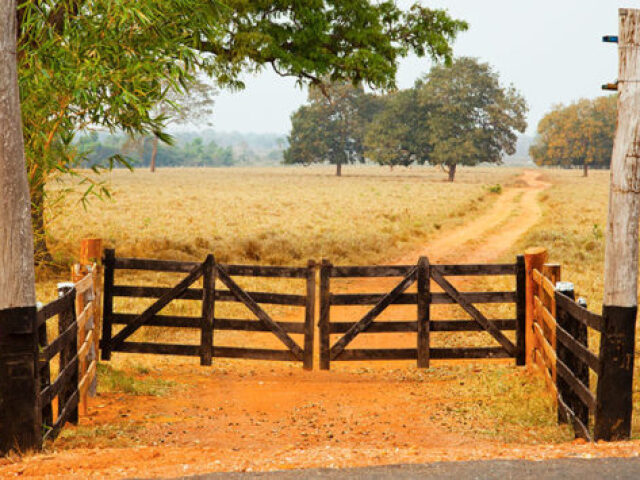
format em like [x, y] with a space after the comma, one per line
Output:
[550, 50]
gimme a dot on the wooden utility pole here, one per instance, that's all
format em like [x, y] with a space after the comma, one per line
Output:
[613, 410]
[19, 413]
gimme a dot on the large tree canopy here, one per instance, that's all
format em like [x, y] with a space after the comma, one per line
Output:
[472, 118]
[577, 135]
[107, 63]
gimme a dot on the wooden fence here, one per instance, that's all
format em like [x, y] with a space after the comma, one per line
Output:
[207, 323]
[422, 274]
[559, 331]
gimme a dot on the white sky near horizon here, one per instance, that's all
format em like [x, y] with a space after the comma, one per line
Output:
[552, 51]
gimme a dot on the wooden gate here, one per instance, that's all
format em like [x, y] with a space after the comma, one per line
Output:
[208, 321]
[422, 275]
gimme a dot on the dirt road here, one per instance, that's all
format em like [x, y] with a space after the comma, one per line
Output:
[244, 416]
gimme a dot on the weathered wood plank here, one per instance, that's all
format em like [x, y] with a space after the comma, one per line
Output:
[162, 302]
[424, 311]
[576, 385]
[264, 271]
[521, 310]
[325, 311]
[582, 315]
[154, 292]
[107, 303]
[373, 271]
[254, 354]
[56, 346]
[158, 320]
[208, 310]
[412, 354]
[469, 325]
[256, 326]
[579, 350]
[376, 354]
[264, 297]
[485, 269]
[309, 315]
[158, 348]
[474, 312]
[251, 304]
[384, 302]
[53, 308]
[376, 327]
[61, 383]
[469, 353]
[390, 326]
[437, 298]
[154, 265]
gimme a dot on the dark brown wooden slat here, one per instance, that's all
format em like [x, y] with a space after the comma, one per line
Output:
[254, 354]
[576, 385]
[474, 312]
[324, 321]
[56, 346]
[376, 354]
[251, 304]
[423, 278]
[583, 315]
[581, 431]
[154, 292]
[521, 309]
[364, 323]
[264, 271]
[437, 298]
[208, 310]
[169, 321]
[162, 302]
[54, 308]
[60, 383]
[469, 353]
[266, 298]
[107, 303]
[159, 349]
[63, 417]
[476, 269]
[376, 327]
[309, 315]
[579, 350]
[373, 271]
[256, 326]
[154, 265]
[469, 325]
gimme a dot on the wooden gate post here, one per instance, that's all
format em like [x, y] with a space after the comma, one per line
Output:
[424, 303]
[534, 258]
[68, 353]
[620, 302]
[107, 305]
[208, 310]
[521, 310]
[325, 307]
[310, 311]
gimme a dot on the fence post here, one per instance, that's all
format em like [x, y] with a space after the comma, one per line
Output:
[534, 258]
[67, 354]
[325, 308]
[45, 376]
[208, 310]
[424, 303]
[107, 305]
[615, 382]
[521, 310]
[20, 414]
[310, 311]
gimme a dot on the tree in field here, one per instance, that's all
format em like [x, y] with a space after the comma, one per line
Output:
[472, 118]
[580, 134]
[108, 63]
[331, 128]
[398, 134]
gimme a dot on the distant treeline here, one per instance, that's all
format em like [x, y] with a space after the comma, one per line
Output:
[190, 149]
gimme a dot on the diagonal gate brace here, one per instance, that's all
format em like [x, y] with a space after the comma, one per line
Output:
[263, 316]
[162, 302]
[368, 319]
[473, 311]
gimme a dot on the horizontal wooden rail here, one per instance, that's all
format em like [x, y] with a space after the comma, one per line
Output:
[579, 313]
[60, 342]
[579, 350]
[389, 326]
[61, 382]
[438, 298]
[576, 385]
[483, 270]
[412, 354]
[54, 308]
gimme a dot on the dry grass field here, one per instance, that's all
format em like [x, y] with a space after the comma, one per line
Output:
[284, 216]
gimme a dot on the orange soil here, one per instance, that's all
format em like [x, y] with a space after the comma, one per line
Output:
[243, 415]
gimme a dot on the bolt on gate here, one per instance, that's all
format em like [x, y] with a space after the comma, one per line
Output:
[212, 274]
[421, 274]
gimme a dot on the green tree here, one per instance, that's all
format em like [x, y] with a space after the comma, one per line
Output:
[109, 63]
[399, 134]
[472, 118]
[577, 135]
[332, 127]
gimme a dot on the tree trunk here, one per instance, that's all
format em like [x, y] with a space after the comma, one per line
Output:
[339, 169]
[614, 402]
[585, 170]
[41, 252]
[452, 172]
[154, 154]
[19, 414]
